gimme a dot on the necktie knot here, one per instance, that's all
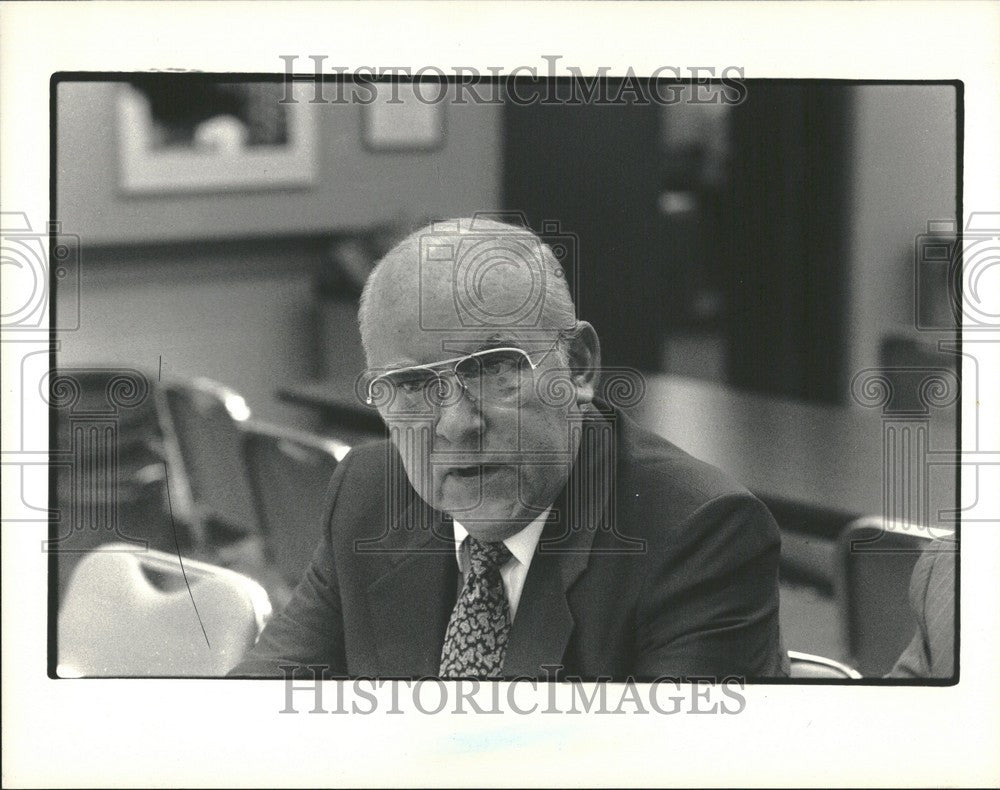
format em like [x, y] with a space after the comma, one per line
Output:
[486, 557]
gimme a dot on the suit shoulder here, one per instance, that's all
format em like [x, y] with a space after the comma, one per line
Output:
[361, 473]
[368, 455]
[679, 502]
[666, 472]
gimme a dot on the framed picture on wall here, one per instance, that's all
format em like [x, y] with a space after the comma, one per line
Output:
[179, 133]
[404, 117]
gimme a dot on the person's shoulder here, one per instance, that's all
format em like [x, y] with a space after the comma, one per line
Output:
[934, 567]
[364, 472]
[697, 521]
[671, 498]
[668, 472]
[367, 458]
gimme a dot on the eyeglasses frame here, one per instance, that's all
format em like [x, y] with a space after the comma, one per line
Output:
[454, 362]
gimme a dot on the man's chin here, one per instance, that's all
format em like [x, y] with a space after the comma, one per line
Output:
[488, 521]
[463, 508]
[490, 530]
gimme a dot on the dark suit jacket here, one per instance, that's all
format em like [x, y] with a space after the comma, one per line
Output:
[652, 564]
[931, 652]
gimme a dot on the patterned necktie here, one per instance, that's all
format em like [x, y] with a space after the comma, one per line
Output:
[476, 639]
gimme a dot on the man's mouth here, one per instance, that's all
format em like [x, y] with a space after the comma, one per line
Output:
[474, 470]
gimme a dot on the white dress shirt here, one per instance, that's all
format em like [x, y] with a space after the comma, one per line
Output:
[515, 570]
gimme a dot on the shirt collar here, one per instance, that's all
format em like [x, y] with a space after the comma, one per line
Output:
[522, 544]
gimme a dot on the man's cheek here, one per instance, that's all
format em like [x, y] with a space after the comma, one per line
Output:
[412, 441]
[540, 431]
[416, 467]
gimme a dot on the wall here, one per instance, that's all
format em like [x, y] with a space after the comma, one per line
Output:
[903, 175]
[241, 317]
[239, 312]
[356, 187]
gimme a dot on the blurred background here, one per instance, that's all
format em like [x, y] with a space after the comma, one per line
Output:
[750, 260]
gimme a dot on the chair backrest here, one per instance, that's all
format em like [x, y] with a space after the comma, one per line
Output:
[806, 665]
[206, 420]
[107, 464]
[142, 614]
[876, 561]
[289, 473]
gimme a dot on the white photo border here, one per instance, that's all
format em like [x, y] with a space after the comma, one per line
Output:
[230, 733]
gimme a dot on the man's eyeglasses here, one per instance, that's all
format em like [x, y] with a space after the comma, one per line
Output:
[493, 375]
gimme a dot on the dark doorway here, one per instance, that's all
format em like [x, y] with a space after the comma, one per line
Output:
[593, 169]
[718, 223]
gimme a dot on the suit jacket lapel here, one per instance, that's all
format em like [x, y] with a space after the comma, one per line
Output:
[413, 599]
[544, 623]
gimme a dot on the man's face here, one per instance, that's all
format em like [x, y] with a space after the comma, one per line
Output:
[492, 464]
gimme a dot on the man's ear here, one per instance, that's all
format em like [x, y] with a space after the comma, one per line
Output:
[584, 352]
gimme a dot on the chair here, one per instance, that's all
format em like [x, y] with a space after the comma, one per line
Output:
[876, 560]
[289, 473]
[810, 615]
[131, 614]
[808, 666]
[205, 418]
[108, 465]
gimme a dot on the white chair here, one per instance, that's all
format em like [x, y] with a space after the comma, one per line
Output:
[131, 613]
[806, 665]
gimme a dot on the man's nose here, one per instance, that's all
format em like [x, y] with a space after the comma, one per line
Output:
[459, 421]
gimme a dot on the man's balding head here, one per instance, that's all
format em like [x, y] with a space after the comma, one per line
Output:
[470, 274]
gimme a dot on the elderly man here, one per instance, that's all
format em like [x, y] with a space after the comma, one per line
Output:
[516, 524]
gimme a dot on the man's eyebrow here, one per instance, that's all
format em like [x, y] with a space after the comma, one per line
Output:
[390, 367]
[497, 341]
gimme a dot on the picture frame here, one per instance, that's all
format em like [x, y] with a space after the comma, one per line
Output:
[218, 153]
[403, 118]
